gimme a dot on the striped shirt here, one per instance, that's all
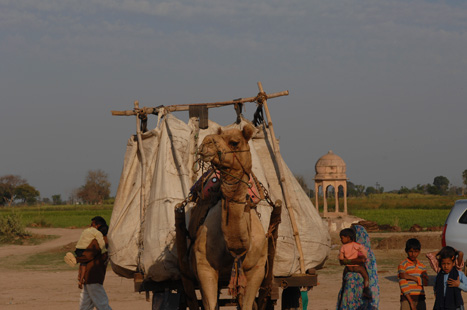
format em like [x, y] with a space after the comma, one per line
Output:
[414, 269]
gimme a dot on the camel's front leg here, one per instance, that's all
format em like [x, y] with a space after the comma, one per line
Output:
[208, 277]
[254, 278]
[254, 263]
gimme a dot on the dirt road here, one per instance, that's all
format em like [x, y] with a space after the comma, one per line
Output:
[66, 236]
[46, 290]
[54, 290]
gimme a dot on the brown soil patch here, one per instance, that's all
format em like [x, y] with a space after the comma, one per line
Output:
[398, 242]
[70, 247]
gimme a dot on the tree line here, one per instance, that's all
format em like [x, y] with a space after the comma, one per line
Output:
[15, 190]
[440, 186]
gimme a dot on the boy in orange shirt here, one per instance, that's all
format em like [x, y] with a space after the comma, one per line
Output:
[412, 278]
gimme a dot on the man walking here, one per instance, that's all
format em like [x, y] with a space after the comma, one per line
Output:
[93, 293]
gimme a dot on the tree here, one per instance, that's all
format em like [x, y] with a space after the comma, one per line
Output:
[13, 187]
[303, 184]
[27, 193]
[73, 197]
[442, 184]
[371, 190]
[360, 189]
[8, 185]
[404, 190]
[355, 190]
[455, 190]
[420, 189]
[96, 187]
[464, 177]
[351, 192]
[432, 190]
[57, 199]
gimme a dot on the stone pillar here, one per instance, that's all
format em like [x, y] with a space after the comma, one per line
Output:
[336, 196]
[325, 198]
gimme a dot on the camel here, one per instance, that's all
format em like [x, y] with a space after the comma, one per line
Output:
[231, 234]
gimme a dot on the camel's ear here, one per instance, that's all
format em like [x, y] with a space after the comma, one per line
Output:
[219, 130]
[248, 131]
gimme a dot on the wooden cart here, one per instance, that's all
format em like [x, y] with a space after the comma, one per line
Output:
[275, 292]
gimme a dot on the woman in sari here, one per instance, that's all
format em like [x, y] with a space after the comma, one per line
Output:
[350, 296]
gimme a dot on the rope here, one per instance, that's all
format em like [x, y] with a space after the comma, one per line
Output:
[261, 97]
[238, 109]
[238, 279]
[235, 177]
[258, 117]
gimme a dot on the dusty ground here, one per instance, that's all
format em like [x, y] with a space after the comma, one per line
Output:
[53, 290]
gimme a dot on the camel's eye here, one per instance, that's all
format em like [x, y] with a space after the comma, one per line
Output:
[234, 143]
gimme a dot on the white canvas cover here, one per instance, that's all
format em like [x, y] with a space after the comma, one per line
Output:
[170, 153]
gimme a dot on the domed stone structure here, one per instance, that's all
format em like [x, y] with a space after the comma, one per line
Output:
[331, 171]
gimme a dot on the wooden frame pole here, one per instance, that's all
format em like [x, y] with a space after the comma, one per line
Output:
[143, 184]
[283, 183]
[186, 107]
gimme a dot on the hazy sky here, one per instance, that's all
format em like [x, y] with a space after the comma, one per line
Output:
[381, 83]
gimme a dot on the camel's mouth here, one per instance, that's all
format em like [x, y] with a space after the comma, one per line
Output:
[206, 157]
[205, 151]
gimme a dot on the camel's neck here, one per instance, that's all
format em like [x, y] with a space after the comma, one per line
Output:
[234, 219]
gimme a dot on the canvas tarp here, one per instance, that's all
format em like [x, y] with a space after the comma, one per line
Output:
[170, 151]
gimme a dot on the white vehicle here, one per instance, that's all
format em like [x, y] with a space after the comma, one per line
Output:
[455, 228]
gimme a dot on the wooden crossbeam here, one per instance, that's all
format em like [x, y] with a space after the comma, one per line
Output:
[186, 107]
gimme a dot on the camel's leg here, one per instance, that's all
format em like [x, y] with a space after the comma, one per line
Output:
[254, 278]
[254, 263]
[208, 277]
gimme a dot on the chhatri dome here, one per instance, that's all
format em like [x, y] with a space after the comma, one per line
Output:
[330, 172]
[330, 167]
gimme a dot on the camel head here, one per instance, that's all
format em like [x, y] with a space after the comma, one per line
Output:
[228, 149]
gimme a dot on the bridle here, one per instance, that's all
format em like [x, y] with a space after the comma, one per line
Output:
[220, 154]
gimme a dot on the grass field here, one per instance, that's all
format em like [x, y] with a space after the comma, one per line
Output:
[59, 216]
[396, 201]
[405, 218]
[391, 209]
[399, 210]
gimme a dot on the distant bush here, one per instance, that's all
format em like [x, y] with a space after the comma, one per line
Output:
[109, 201]
[11, 228]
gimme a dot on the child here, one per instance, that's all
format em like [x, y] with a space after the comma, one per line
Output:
[433, 259]
[412, 277]
[96, 231]
[449, 282]
[352, 250]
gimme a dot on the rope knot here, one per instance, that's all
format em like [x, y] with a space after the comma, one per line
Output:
[261, 97]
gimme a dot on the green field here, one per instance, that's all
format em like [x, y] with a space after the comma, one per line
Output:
[59, 216]
[399, 210]
[391, 209]
[405, 218]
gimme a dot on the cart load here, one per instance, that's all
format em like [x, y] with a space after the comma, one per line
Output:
[161, 166]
